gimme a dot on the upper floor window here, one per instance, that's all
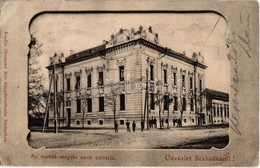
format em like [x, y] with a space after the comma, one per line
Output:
[121, 73]
[152, 103]
[175, 78]
[100, 78]
[68, 83]
[89, 83]
[166, 101]
[165, 76]
[78, 106]
[77, 86]
[191, 83]
[184, 104]
[151, 72]
[183, 80]
[200, 85]
[191, 104]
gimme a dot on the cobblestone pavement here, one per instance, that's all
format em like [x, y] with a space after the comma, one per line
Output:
[174, 138]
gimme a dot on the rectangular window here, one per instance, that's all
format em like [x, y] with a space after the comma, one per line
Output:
[200, 85]
[68, 84]
[122, 102]
[56, 84]
[89, 80]
[89, 104]
[166, 101]
[78, 106]
[214, 111]
[121, 73]
[152, 102]
[183, 104]
[175, 78]
[77, 82]
[175, 107]
[191, 82]
[217, 111]
[151, 72]
[100, 78]
[183, 80]
[221, 111]
[191, 105]
[101, 104]
[165, 76]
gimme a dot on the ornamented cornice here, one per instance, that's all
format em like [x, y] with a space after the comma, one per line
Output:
[201, 76]
[101, 68]
[150, 61]
[68, 75]
[183, 71]
[88, 70]
[121, 61]
[164, 66]
[77, 73]
[174, 69]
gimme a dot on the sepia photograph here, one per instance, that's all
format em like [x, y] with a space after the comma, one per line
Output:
[128, 81]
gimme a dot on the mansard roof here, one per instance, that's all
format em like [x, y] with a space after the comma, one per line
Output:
[125, 38]
[214, 94]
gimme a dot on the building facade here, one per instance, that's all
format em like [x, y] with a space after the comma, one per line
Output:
[217, 106]
[122, 75]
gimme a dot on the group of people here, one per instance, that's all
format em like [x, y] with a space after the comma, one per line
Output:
[177, 122]
[128, 126]
[152, 124]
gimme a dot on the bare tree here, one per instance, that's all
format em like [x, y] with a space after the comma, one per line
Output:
[115, 89]
[36, 88]
[84, 96]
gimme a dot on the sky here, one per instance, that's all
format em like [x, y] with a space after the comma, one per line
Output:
[205, 33]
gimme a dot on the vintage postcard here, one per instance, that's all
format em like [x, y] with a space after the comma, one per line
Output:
[135, 83]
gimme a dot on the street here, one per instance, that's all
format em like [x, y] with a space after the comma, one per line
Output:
[174, 138]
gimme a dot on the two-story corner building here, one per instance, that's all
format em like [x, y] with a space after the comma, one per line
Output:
[217, 106]
[132, 58]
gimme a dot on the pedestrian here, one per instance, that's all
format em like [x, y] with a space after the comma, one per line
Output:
[116, 126]
[174, 121]
[155, 122]
[128, 126]
[142, 125]
[162, 122]
[133, 126]
[150, 123]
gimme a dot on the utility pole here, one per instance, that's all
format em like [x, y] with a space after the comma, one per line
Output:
[47, 105]
[55, 100]
[147, 98]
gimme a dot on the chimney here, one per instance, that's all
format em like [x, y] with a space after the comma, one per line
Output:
[71, 52]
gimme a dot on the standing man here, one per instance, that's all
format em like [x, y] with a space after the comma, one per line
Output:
[142, 125]
[116, 126]
[128, 126]
[133, 126]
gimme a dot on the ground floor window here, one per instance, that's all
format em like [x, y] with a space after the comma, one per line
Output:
[88, 122]
[101, 122]
[122, 122]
